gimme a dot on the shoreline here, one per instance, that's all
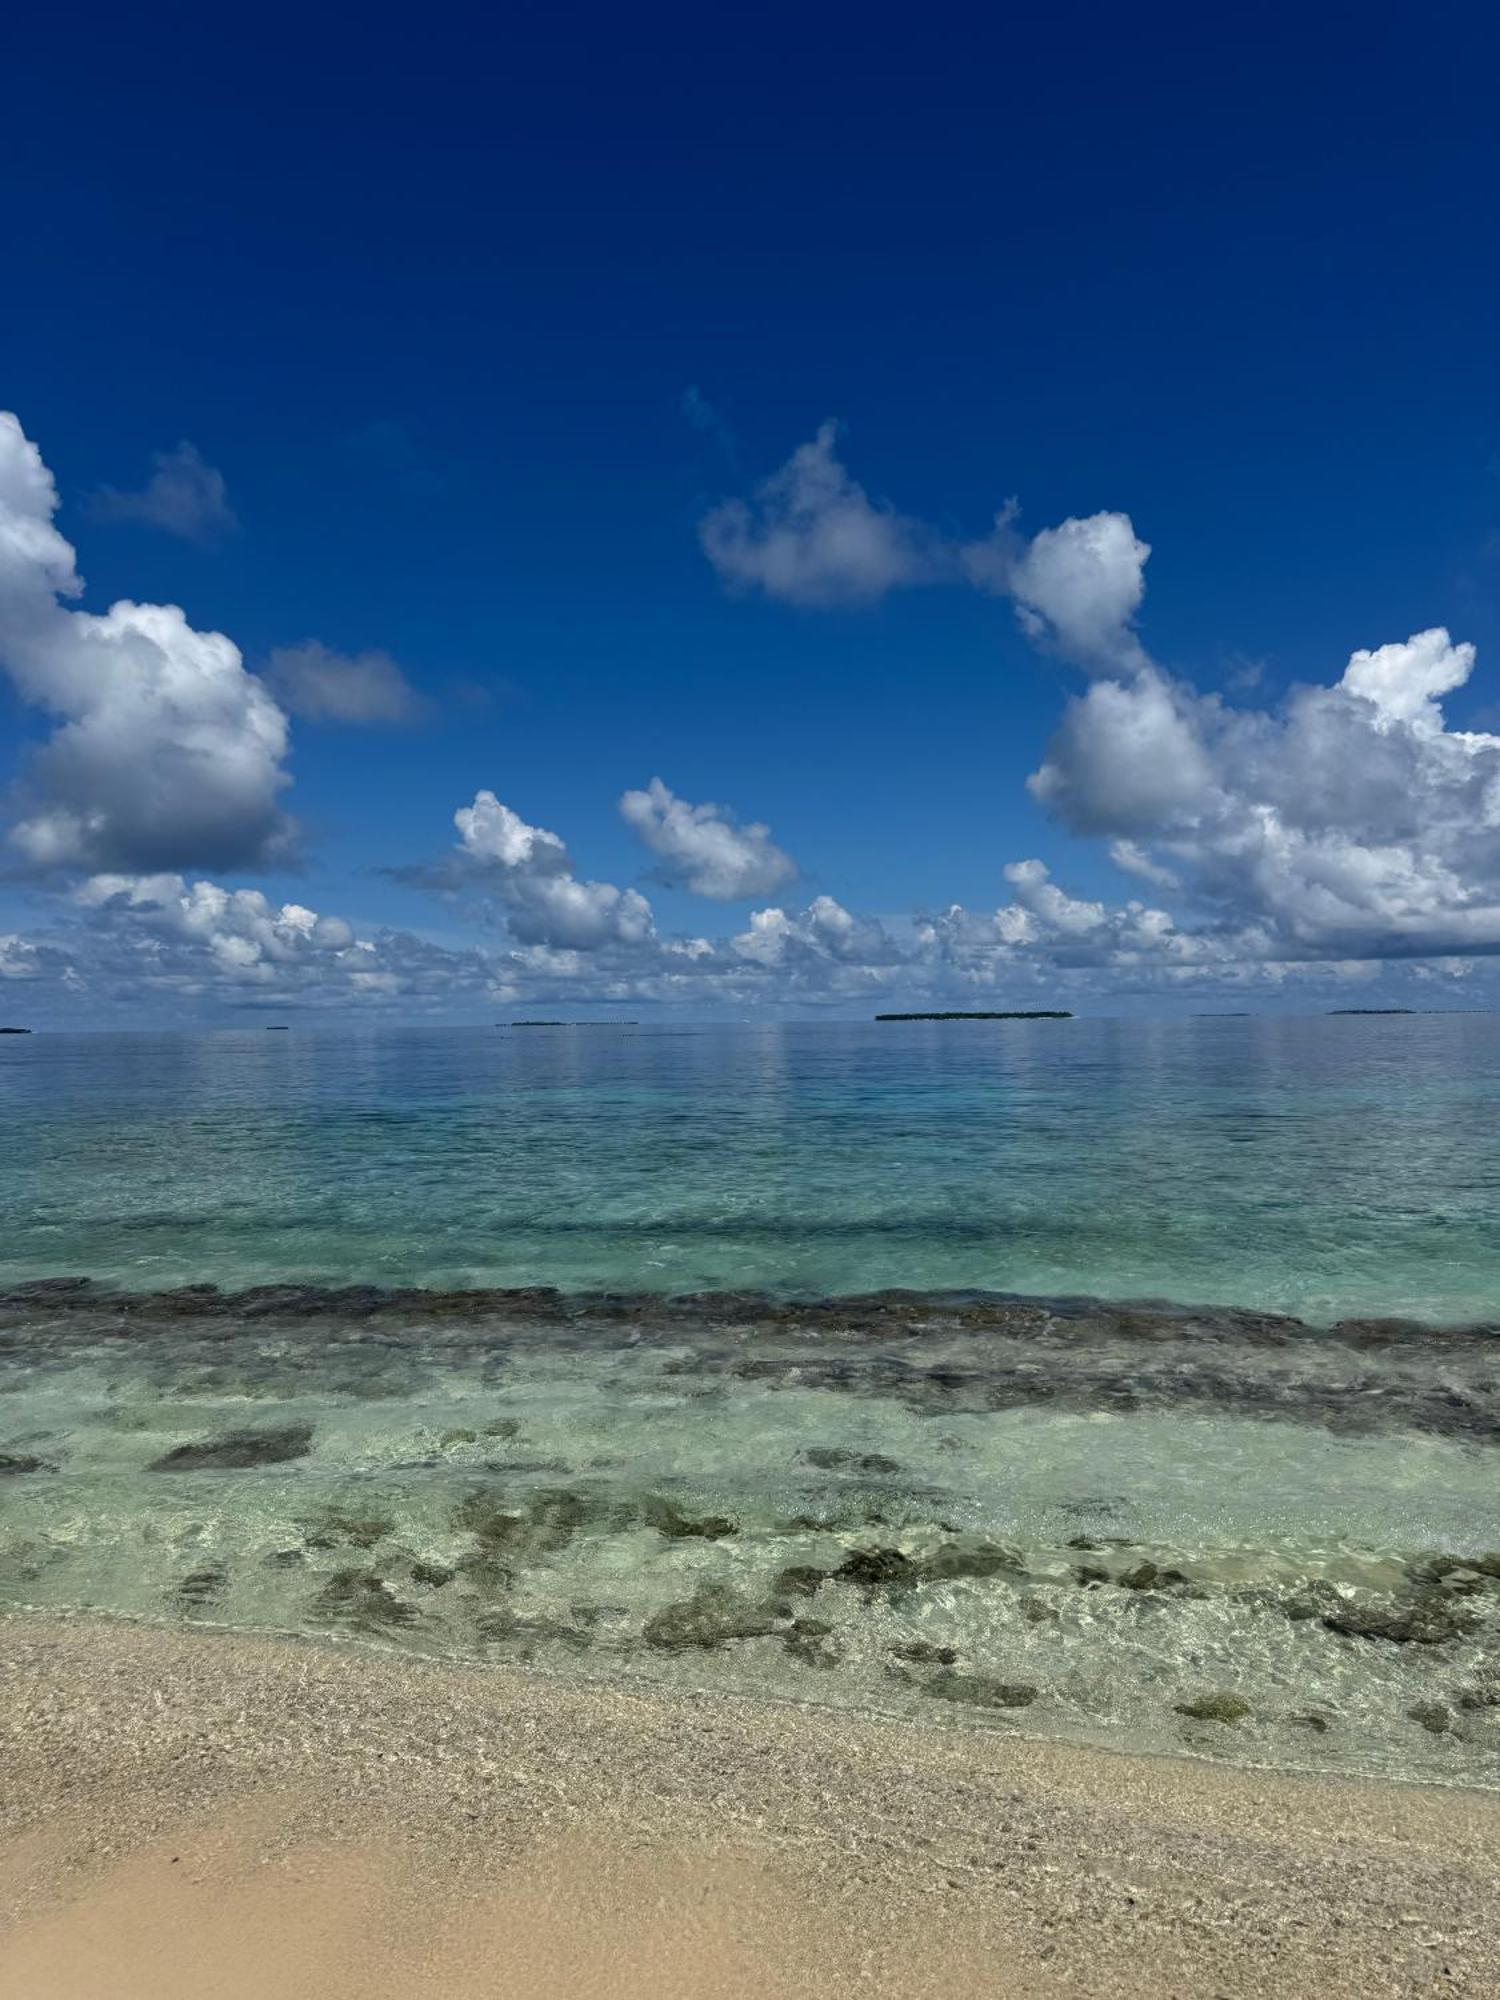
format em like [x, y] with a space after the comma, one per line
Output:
[491, 1818]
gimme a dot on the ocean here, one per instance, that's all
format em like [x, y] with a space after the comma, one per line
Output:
[1131, 1382]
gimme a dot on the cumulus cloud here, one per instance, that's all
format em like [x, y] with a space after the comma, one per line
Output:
[19, 957]
[813, 536]
[529, 871]
[1077, 589]
[167, 752]
[196, 944]
[163, 937]
[185, 495]
[824, 936]
[1349, 821]
[163, 942]
[314, 681]
[1132, 860]
[702, 849]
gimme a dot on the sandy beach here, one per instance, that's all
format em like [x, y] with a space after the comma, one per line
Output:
[199, 1813]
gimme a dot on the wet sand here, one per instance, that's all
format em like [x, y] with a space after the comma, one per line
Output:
[205, 1814]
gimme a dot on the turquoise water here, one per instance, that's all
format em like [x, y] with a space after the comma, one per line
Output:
[720, 1454]
[1322, 1166]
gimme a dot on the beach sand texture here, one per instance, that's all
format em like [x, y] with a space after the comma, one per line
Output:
[197, 1814]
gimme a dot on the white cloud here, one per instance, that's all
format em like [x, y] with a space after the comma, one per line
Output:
[494, 836]
[19, 957]
[701, 848]
[1404, 682]
[1125, 760]
[813, 536]
[1078, 587]
[161, 937]
[1351, 821]
[163, 941]
[1132, 860]
[529, 870]
[325, 686]
[184, 495]
[167, 752]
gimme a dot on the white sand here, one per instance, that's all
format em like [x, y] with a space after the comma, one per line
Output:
[193, 1814]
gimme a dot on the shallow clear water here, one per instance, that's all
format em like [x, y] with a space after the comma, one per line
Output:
[1319, 1166]
[1080, 1521]
[1053, 1512]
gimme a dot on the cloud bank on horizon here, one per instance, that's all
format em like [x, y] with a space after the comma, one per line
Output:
[1343, 830]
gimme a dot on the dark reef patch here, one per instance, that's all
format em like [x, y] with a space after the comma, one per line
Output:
[1218, 1705]
[363, 1601]
[942, 1354]
[678, 1525]
[980, 1690]
[711, 1617]
[237, 1451]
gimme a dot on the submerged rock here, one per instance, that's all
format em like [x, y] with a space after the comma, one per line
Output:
[670, 1520]
[507, 1625]
[1313, 1600]
[1424, 1621]
[878, 1569]
[922, 1653]
[978, 1559]
[1433, 1716]
[485, 1571]
[361, 1599]
[980, 1690]
[200, 1586]
[881, 1568]
[548, 1525]
[1219, 1705]
[335, 1527]
[713, 1616]
[1483, 1691]
[833, 1458]
[1457, 1576]
[236, 1451]
[810, 1641]
[802, 1580]
[1037, 1611]
[1147, 1576]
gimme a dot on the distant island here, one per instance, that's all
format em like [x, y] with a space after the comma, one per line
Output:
[1013, 1014]
[567, 1024]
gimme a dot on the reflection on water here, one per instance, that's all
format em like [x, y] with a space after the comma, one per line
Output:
[1317, 1166]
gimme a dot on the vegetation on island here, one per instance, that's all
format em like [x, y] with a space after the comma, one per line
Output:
[1009, 1014]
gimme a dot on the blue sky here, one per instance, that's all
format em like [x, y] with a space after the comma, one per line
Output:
[478, 322]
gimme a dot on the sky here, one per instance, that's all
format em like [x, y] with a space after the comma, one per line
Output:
[594, 511]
